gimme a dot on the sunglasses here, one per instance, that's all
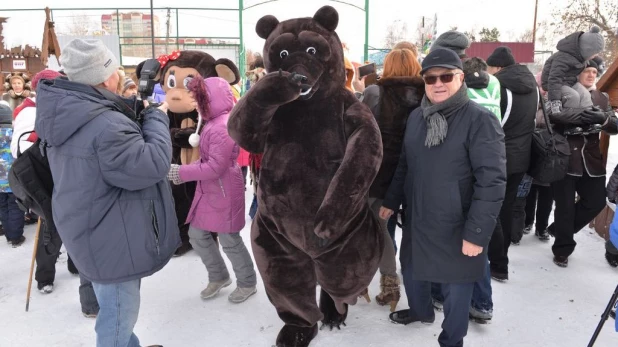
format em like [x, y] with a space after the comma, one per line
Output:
[446, 78]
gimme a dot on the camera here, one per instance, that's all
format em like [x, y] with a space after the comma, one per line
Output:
[148, 78]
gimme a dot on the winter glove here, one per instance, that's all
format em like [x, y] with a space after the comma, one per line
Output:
[593, 116]
[555, 107]
[174, 174]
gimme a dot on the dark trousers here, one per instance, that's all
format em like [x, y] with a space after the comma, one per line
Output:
[245, 171]
[571, 217]
[48, 250]
[539, 204]
[457, 299]
[11, 216]
[481, 295]
[502, 236]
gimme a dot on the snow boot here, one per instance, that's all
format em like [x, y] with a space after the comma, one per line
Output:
[404, 317]
[612, 259]
[332, 317]
[389, 291]
[213, 288]
[18, 242]
[561, 261]
[542, 235]
[480, 316]
[241, 294]
[527, 229]
[45, 288]
[294, 336]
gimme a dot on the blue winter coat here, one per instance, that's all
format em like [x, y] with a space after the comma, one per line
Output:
[6, 158]
[112, 203]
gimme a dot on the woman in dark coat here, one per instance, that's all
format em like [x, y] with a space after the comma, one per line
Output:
[391, 100]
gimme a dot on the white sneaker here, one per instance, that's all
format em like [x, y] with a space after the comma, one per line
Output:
[214, 288]
[241, 294]
[47, 289]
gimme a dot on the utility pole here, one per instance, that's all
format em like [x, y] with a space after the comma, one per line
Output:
[536, 10]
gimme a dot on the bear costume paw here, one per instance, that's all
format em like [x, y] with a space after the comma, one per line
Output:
[294, 336]
[332, 318]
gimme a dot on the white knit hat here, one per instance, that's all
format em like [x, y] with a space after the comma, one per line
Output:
[88, 61]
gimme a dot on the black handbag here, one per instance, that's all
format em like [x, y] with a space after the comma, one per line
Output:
[549, 160]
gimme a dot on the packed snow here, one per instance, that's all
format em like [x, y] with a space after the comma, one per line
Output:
[541, 305]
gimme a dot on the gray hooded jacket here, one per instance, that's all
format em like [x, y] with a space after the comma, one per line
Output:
[112, 204]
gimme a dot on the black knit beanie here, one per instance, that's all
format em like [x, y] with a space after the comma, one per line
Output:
[501, 57]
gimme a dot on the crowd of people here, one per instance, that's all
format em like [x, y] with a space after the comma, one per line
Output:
[457, 143]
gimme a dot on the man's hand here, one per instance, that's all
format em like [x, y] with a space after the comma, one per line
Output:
[385, 213]
[470, 249]
[164, 107]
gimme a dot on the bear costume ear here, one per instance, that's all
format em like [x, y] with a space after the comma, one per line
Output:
[227, 70]
[327, 17]
[266, 25]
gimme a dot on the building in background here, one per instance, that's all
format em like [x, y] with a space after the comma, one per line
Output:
[134, 30]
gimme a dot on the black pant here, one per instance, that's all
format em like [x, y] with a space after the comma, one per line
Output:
[48, 250]
[502, 236]
[245, 171]
[571, 217]
[11, 216]
[540, 202]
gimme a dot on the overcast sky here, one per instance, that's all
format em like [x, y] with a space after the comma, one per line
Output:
[511, 17]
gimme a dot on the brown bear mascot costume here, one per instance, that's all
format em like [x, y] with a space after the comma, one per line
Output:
[322, 150]
[177, 69]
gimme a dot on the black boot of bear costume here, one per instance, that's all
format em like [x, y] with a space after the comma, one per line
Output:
[332, 318]
[294, 336]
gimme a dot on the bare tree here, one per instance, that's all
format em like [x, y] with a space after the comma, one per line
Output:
[395, 32]
[471, 35]
[80, 24]
[526, 36]
[582, 14]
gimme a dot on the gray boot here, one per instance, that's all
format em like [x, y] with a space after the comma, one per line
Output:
[214, 288]
[241, 294]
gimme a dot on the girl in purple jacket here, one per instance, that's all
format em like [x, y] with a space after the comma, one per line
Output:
[219, 202]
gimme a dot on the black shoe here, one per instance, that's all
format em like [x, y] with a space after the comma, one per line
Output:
[18, 242]
[30, 218]
[183, 249]
[543, 235]
[499, 276]
[612, 259]
[527, 229]
[294, 336]
[515, 243]
[404, 317]
[561, 261]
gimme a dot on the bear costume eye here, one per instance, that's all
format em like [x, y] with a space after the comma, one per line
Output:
[284, 53]
[312, 50]
[171, 81]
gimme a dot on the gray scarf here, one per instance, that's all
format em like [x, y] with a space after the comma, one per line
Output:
[436, 115]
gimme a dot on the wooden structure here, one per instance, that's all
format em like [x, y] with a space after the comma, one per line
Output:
[50, 41]
[607, 84]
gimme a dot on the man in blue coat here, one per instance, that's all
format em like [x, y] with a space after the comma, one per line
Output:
[112, 204]
[452, 171]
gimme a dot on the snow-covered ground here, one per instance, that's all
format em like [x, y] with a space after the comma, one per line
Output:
[541, 305]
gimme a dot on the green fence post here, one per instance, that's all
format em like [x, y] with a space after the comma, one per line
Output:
[242, 58]
[366, 30]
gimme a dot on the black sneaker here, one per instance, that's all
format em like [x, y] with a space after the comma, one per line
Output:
[612, 259]
[561, 261]
[403, 317]
[542, 235]
[499, 276]
[18, 242]
[527, 229]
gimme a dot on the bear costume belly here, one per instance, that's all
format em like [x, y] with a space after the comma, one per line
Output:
[322, 150]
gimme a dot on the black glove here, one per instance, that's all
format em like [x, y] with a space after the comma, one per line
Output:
[593, 116]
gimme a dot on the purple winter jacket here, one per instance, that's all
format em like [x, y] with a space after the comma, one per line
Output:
[219, 202]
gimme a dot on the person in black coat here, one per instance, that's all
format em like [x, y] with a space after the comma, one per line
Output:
[452, 170]
[586, 170]
[518, 101]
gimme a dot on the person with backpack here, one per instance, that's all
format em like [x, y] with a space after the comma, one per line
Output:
[11, 216]
[112, 204]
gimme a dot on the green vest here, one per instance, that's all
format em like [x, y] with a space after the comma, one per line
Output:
[488, 97]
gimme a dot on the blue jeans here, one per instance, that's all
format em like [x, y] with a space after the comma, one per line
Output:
[11, 216]
[481, 296]
[253, 208]
[119, 308]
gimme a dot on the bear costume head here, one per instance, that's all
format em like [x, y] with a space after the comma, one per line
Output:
[178, 68]
[306, 46]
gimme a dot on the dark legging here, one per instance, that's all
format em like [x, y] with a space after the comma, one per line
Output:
[539, 203]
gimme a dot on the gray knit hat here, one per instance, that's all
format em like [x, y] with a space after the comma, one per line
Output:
[128, 83]
[453, 40]
[591, 43]
[88, 61]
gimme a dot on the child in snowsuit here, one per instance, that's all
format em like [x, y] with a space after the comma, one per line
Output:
[560, 72]
[219, 202]
[10, 214]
